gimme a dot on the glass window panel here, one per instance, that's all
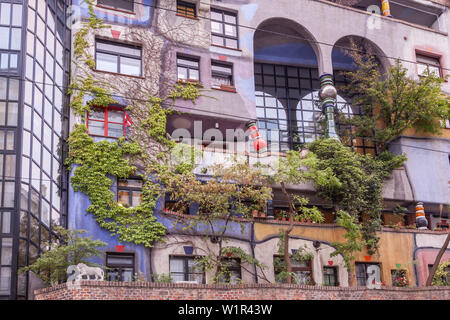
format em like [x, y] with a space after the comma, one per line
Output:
[10, 166]
[9, 196]
[6, 251]
[45, 213]
[97, 128]
[123, 197]
[12, 113]
[3, 82]
[136, 198]
[230, 18]
[193, 74]
[13, 61]
[177, 265]
[4, 64]
[230, 30]
[106, 62]
[25, 168]
[17, 15]
[217, 40]
[5, 280]
[36, 151]
[37, 125]
[56, 199]
[215, 15]
[5, 13]
[16, 38]
[182, 73]
[130, 66]
[115, 130]
[47, 137]
[216, 27]
[13, 89]
[4, 38]
[39, 52]
[46, 161]
[10, 140]
[231, 43]
[50, 44]
[26, 143]
[97, 114]
[2, 113]
[6, 222]
[122, 49]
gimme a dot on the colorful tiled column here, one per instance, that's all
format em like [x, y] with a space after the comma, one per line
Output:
[386, 8]
[259, 144]
[327, 95]
[421, 221]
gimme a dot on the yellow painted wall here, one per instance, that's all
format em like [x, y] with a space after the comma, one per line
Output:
[395, 247]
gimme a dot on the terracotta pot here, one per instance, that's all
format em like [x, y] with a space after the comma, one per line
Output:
[368, 258]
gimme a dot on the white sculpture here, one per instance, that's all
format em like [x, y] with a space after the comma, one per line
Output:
[84, 270]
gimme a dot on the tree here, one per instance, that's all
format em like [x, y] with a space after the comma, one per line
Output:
[69, 249]
[233, 190]
[393, 102]
[437, 260]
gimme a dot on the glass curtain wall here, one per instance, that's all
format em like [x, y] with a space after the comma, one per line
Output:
[34, 73]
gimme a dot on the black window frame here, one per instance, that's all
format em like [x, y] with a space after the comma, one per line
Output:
[183, 6]
[294, 269]
[234, 267]
[419, 60]
[117, 6]
[119, 267]
[119, 55]
[219, 74]
[188, 67]
[327, 276]
[185, 272]
[222, 21]
[366, 276]
[130, 189]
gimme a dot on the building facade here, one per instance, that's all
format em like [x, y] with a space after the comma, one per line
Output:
[261, 62]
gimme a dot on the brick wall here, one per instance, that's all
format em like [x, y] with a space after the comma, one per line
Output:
[102, 290]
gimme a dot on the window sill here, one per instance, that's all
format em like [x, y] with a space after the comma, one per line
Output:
[223, 47]
[188, 17]
[119, 74]
[115, 9]
[229, 89]
[192, 82]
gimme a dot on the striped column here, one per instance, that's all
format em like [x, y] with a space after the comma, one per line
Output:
[327, 95]
[386, 8]
[259, 144]
[421, 221]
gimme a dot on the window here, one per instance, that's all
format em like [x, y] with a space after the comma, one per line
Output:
[186, 9]
[129, 192]
[302, 270]
[183, 268]
[362, 275]
[222, 74]
[399, 278]
[330, 276]
[425, 63]
[447, 124]
[118, 58]
[224, 28]
[10, 36]
[127, 5]
[188, 68]
[231, 272]
[108, 122]
[120, 266]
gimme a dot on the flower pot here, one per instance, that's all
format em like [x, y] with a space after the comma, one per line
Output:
[263, 215]
[330, 262]
[188, 250]
[368, 258]
[228, 254]
[120, 247]
[255, 213]
[309, 221]
[283, 219]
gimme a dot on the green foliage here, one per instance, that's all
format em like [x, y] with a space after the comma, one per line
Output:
[97, 162]
[162, 278]
[353, 236]
[393, 102]
[442, 277]
[360, 183]
[70, 249]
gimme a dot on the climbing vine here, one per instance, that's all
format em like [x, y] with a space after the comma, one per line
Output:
[361, 180]
[97, 164]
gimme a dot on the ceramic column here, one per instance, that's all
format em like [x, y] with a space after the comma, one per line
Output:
[327, 95]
